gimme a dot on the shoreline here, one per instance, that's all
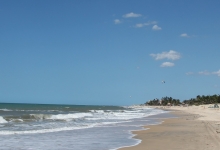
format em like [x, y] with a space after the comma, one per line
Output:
[195, 128]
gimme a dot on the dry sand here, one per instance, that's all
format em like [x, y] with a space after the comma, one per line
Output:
[196, 128]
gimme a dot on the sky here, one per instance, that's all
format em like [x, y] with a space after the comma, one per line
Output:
[108, 52]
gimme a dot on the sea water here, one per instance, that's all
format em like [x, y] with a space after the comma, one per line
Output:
[74, 127]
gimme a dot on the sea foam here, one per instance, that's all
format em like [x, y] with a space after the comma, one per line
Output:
[2, 120]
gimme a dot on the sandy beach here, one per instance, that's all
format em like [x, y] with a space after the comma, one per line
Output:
[196, 128]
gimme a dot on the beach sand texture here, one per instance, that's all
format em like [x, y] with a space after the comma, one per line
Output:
[195, 128]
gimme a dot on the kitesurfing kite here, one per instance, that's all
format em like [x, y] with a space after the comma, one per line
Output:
[163, 81]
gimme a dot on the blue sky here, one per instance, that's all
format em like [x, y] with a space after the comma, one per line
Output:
[114, 52]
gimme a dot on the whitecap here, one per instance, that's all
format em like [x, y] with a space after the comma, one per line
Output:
[2, 120]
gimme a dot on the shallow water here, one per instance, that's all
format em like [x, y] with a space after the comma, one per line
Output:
[96, 128]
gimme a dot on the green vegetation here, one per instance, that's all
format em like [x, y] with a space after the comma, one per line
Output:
[199, 100]
[163, 102]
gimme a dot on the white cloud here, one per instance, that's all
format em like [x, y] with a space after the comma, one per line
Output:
[140, 25]
[189, 73]
[184, 35]
[217, 73]
[117, 21]
[210, 73]
[173, 55]
[131, 15]
[204, 72]
[167, 64]
[156, 27]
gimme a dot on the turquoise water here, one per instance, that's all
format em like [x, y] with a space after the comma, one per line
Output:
[45, 126]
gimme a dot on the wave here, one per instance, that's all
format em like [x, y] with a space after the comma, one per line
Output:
[70, 116]
[97, 111]
[16, 120]
[2, 120]
[93, 115]
[43, 130]
[5, 109]
[53, 122]
[59, 116]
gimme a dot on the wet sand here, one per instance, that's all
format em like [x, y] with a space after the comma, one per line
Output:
[187, 132]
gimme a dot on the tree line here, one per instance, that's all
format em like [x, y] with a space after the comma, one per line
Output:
[199, 100]
[164, 101]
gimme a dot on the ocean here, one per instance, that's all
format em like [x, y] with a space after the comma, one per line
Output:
[71, 127]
